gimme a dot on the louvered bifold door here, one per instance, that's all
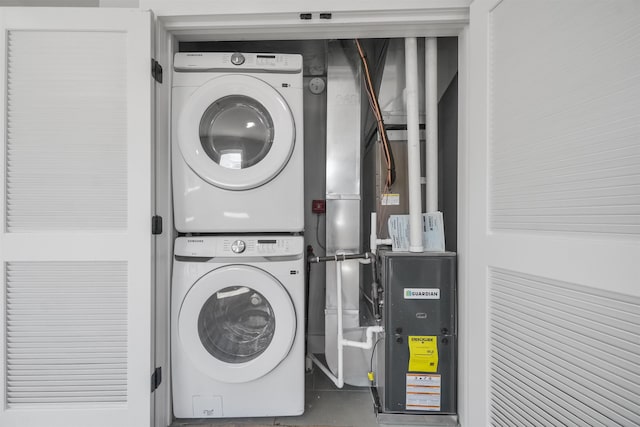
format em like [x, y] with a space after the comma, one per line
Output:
[554, 178]
[75, 244]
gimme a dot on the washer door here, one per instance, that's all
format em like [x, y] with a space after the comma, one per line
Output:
[237, 323]
[236, 132]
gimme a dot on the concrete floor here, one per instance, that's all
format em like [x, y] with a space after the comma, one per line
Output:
[326, 405]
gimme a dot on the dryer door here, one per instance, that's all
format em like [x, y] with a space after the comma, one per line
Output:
[237, 323]
[236, 132]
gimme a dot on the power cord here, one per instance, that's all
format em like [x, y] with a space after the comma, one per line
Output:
[318, 233]
[371, 375]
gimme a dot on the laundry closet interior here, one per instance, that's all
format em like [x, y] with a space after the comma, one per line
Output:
[275, 214]
[325, 95]
[334, 124]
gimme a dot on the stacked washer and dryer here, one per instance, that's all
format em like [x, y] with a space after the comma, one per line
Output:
[238, 295]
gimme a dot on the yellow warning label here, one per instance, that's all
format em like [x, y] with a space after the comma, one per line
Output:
[423, 354]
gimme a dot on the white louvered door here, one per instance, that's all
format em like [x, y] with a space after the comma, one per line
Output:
[76, 247]
[554, 178]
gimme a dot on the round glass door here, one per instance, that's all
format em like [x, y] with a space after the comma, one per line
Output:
[237, 323]
[236, 132]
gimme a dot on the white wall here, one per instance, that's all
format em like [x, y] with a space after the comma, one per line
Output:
[49, 3]
[119, 3]
[72, 3]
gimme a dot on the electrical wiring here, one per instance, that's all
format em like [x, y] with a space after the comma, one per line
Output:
[373, 352]
[318, 233]
[369, 300]
[375, 108]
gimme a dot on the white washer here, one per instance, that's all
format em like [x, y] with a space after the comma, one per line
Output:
[237, 326]
[237, 142]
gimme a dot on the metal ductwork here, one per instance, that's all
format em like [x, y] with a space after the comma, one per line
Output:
[344, 208]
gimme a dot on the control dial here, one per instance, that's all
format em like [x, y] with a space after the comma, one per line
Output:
[238, 247]
[237, 59]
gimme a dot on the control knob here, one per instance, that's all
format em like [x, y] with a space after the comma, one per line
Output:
[237, 59]
[238, 247]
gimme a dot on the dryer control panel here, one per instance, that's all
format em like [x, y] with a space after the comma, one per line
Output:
[234, 61]
[239, 246]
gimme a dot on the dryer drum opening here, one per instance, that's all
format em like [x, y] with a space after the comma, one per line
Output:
[236, 132]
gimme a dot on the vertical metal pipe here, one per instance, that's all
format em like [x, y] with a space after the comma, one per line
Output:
[413, 144]
[431, 101]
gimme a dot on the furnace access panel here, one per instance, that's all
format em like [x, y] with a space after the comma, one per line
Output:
[417, 367]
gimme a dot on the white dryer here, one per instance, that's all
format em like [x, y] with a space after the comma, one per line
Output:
[237, 142]
[237, 326]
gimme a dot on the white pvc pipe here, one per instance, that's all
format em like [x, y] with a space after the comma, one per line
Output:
[374, 242]
[373, 236]
[413, 144]
[369, 342]
[340, 382]
[339, 379]
[324, 369]
[431, 109]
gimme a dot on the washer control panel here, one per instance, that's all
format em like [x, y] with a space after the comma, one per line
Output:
[266, 246]
[272, 246]
[239, 246]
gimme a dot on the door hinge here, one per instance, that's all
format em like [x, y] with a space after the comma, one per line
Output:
[156, 379]
[156, 70]
[156, 225]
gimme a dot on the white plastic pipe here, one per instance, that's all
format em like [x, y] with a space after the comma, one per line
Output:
[324, 369]
[431, 109]
[413, 144]
[369, 342]
[339, 379]
[340, 382]
[374, 242]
